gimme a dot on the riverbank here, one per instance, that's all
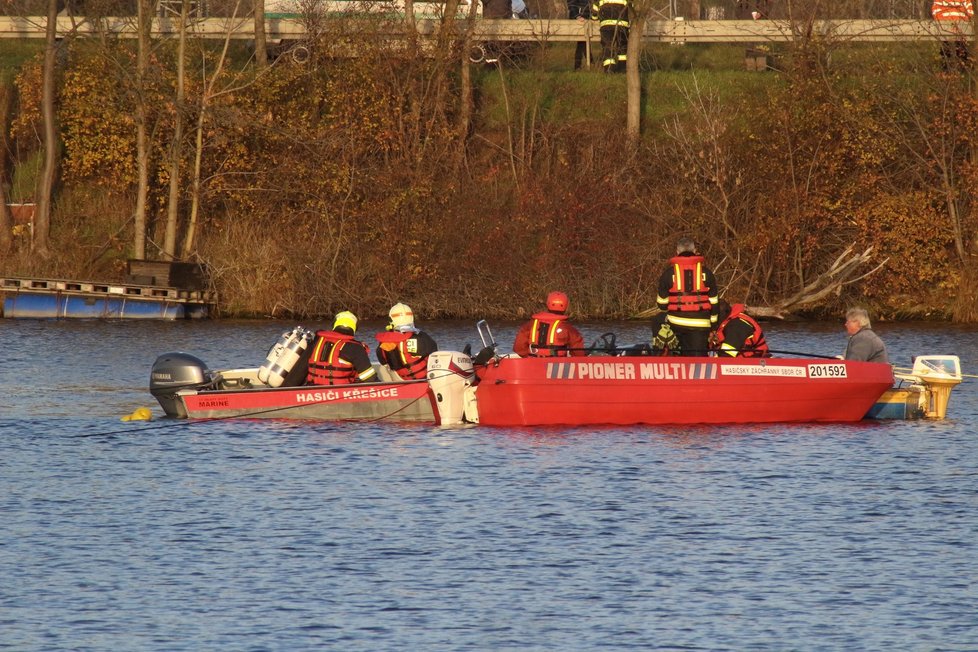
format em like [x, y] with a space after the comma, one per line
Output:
[327, 186]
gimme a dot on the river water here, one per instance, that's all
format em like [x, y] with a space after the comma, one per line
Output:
[241, 535]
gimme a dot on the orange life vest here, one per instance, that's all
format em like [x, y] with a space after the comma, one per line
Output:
[547, 338]
[952, 9]
[689, 291]
[326, 367]
[754, 346]
[415, 366]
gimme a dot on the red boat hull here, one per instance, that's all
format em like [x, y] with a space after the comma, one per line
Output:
[399, 401]
[643, 390]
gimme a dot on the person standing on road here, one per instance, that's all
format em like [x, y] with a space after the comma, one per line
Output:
[612, 19]
[580, 11]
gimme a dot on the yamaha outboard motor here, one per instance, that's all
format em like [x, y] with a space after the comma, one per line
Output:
[173, 372]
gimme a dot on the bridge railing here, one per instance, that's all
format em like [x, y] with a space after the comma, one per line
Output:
[539, 30]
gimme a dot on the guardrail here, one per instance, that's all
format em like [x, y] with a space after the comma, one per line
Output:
[539, 30]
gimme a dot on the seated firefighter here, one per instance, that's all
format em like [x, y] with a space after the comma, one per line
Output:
[737, 333]
[549, 333]
[403, 347]
[339, 359]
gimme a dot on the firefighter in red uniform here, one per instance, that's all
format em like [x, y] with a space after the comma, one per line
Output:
[953, 12]
[339, 359]
[688, 295]
[549, 334]
[738, 334]
[404, 348]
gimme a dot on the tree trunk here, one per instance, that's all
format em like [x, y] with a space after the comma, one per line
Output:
[49, 136]
[196, 185]
[6, 219]
[261, 42]
[173, 200]
[411, 27]
[144, 20]
[633, 78]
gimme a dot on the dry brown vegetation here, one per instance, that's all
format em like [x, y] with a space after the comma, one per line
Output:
[357, 182]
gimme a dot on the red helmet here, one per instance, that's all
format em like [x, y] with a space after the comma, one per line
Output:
[557, 302]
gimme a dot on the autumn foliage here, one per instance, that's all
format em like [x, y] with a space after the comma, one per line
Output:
[347, 182]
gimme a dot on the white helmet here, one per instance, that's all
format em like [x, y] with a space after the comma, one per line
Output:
[402, 317]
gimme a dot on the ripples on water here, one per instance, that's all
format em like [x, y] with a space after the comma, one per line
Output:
[243, 535]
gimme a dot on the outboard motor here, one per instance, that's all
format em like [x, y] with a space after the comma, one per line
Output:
[173, 372]
[449, 374]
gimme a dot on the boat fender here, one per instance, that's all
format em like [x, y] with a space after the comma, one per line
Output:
[283, 357]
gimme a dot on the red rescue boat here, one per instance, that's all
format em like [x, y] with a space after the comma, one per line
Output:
[645, 390]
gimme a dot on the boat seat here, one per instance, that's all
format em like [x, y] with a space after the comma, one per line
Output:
[237, 379]
[384, 373]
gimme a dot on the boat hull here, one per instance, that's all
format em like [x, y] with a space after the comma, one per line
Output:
[621, 391]
[398, 401]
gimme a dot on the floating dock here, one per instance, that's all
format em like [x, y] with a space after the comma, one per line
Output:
[61, 299]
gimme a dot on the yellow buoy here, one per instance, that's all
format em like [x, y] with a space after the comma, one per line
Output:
[140, 414]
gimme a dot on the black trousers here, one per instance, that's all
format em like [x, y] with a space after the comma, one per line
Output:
[692, 341]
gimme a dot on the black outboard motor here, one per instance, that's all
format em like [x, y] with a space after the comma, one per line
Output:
[173, 372]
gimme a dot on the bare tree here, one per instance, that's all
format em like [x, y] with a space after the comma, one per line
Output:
[49, 135]
[176, 145]
[209, 93]
[638, 14]
[144, 18]
[261, 41]
[6, 219]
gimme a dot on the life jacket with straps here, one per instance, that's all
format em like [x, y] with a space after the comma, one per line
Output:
[754, 346]
[952, 10]
[547, 338]
[405, 347]
[326, 367]
[688, 300]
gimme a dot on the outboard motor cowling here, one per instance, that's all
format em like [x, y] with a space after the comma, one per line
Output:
[173, 372]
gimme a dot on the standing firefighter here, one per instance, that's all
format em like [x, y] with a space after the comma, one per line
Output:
[612, 17]
[688, 295]
[954, 13]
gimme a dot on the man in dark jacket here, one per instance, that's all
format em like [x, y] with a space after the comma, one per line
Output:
[580, 10]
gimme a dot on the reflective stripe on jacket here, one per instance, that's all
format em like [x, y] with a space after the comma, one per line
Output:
[326, 364]
[952, 9]
[413, 363]
[610, 13]
[753, 346]
[687, 292]
[547, 338]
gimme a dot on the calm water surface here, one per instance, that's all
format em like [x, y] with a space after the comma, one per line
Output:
[241, 535]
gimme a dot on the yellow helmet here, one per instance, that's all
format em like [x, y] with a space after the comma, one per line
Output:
[401, 316]
[345, 319]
